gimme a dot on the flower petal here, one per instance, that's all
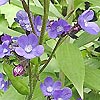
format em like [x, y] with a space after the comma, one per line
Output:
[87, 15]
[29, 56]
[1, 49]
[57, 85]
[43, 88]
[20, 51]
[32, 40]
[23, 41]
[38, 20]
[52, 34]
[38, 50]
[21, 15]
[1, 77]
[48, 81]
[5, 86]
[92, 28]
[66, 93]
[57, 94]
[2, 2]
[62, 22]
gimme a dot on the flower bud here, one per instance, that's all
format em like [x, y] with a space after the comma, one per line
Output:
[18, 70]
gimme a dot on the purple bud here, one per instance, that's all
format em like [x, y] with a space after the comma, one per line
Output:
[18, 70]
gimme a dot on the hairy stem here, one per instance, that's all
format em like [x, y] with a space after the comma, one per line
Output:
[26, 8]
[50, 57]
[30, 82]
[45, 19]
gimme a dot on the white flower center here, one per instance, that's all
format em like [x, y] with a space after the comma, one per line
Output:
[5, 50]
[39, 27]
[2, 85]
[60, 99]
[60, 28]
[28, 48]
[86, 23]
[49, 89]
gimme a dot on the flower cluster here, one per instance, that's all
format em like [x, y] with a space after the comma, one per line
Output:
[26, 46]
[53, 90]
[23, 20]
[57, 28]
[3, 84]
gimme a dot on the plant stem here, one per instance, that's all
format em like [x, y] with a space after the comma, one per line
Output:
[50, 57]
[30, 82]
[45, 19]
[62, 77]
[26, 8]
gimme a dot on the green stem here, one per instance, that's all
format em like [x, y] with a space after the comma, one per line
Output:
[50, 57]
[62, 77]
[30, 82]
[45, 19]
[26, 8]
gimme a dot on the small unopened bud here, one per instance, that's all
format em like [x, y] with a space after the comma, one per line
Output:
[18, 70]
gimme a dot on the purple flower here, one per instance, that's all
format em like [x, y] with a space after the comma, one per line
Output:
[63, 94]
[28, 47]
[38, 25]
[2, 2]
[58, 27]
[23, 20]
[6, 38]
[83, 21]
[49, 86]
[4, 49]
[18, 70]
[3, 84]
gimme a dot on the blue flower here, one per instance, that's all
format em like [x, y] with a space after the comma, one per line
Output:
[83, 21]
[49, 86]
[63, 94]
[4, 49]
[3, 84]
[57, 28]
[28, 47]
[23, 20]
[38, 25]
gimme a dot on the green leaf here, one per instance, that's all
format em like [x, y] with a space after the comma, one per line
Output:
[78, 2]
[17, 83]
[4, 27]
[9, 14]
[12, 94]
[71, 63]
[92, 78]
[85, 38]
[92, 96]
[36, 9]
[92, 62]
